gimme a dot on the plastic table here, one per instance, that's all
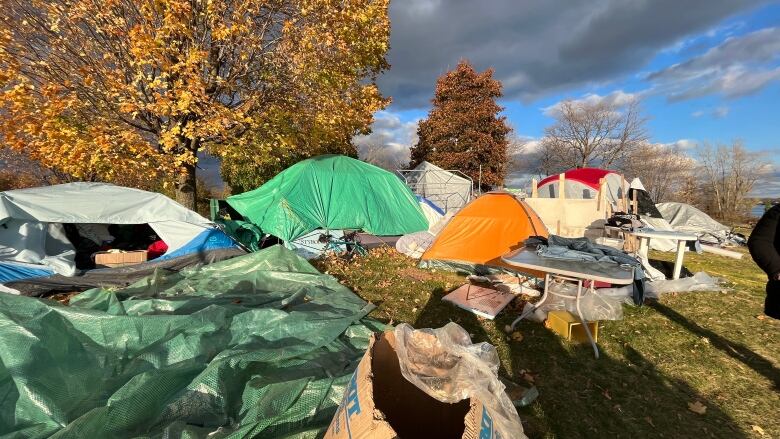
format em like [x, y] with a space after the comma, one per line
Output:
[573, 271]
[645, 235]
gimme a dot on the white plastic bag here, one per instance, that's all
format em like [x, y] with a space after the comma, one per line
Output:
[594, 305]
[447, 366]
[700, 281]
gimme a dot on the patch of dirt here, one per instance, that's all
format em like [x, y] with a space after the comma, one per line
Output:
[416, 274]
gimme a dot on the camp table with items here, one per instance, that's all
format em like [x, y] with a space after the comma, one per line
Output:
[571, 271]
[680, 237]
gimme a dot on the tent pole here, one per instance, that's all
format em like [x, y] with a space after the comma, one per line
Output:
[601, 194]
[534, 189]
[561, 186]
[480, 178]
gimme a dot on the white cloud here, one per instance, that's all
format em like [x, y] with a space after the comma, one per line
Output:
[768, 187]
[538, 47]
[737, 67]
[389, 142]
[682, 144]
[618, 98]
[714, 32]
[717, 112]
[720, 112]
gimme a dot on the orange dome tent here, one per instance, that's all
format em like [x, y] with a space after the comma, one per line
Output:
[484, 230]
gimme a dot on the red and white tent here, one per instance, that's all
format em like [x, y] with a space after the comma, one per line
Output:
[583, 183]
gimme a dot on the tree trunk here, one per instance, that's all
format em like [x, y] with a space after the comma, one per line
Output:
[185, 186]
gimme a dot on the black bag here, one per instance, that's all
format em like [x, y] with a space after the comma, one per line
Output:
[624, 220]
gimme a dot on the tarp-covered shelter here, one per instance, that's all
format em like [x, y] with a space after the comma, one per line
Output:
[583, 183]
[449, 190]
[483, 231]
[686, 218]
[37, 254]
[331, 192]
[261, 345]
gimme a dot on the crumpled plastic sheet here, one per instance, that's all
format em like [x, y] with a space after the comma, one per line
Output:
[700, 281]
[415, 244]
[445, 364]
[593, 304]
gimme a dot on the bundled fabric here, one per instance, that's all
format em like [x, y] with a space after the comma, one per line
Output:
[582, 249]
[262, 345]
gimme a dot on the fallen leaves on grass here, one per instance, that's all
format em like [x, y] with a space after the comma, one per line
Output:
[758, 430]
[697, 407]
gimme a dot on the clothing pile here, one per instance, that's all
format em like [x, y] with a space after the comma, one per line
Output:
[582, 249]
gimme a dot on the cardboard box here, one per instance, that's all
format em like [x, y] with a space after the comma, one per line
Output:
[119, 259]
[482, 301]
[380, 403]
[568, 326]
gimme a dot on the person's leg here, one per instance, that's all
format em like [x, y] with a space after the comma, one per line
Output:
[772, 303]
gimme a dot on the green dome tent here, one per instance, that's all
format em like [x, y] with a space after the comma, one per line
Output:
[331, 192]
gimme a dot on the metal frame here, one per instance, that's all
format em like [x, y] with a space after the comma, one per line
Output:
[547, 281]
[447, 174]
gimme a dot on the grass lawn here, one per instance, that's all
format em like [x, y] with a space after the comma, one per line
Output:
[714, 348]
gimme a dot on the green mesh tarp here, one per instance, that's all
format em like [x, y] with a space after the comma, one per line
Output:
[332, 192]
[257, 346]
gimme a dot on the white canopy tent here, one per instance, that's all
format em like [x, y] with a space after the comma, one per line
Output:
[449, 190]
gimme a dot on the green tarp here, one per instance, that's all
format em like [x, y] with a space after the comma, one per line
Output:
[332, 192]
[256, 346]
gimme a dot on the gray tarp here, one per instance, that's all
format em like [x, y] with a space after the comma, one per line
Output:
[686, 218]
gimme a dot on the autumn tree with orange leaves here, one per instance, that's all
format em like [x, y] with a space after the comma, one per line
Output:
[99, 89]
[463, 130]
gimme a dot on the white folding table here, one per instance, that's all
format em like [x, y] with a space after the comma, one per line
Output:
[572, 271]
[680, 237]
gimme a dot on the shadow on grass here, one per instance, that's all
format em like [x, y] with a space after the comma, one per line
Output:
[736, 351]
[582, 397]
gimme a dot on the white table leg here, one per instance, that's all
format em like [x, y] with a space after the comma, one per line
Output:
[644, 245]
[582, 319]
[530, 309]
[678, 262]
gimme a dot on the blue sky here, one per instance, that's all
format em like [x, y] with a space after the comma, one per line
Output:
[706, 70]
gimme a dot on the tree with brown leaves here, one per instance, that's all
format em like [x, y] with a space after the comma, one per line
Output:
[464, 130]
